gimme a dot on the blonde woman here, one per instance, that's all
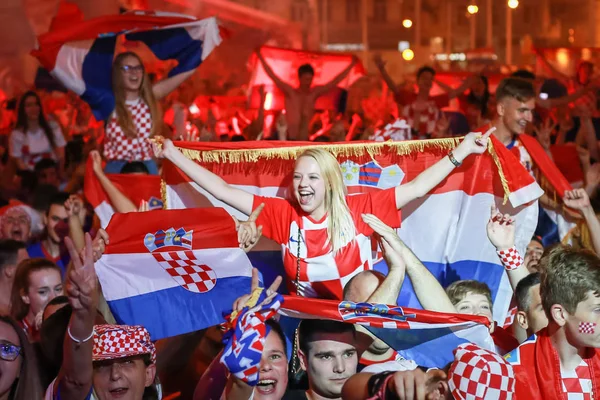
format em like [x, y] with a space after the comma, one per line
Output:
[324, 239]
[136, 116]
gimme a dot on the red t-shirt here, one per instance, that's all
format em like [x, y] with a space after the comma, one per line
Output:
[323, 274]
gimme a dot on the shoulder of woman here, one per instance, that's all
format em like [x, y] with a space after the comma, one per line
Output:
[16, 133]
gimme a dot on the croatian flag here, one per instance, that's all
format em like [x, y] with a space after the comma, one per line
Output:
[136, 187]
[80, 55]
[285, 64]
[428, 338]
[446, 229]
[173, 271]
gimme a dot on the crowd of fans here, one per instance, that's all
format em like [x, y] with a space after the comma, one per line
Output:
[58, 339]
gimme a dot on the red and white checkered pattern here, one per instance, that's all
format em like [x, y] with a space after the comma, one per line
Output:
[577, 384]
[112, 342]
[480, 374]
[510, 317]
[187, 271]
[324, 274]
[510, 258]
[118, 146]
[397, 131]
[587, 327]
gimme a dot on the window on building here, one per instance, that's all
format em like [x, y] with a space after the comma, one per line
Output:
[352, 10]
[379, 10]
[298, 12]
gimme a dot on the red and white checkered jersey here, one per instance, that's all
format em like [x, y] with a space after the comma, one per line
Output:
[118, 146]
[577, 383]
[323, 274]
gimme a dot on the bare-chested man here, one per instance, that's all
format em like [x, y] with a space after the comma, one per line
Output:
[300, 101]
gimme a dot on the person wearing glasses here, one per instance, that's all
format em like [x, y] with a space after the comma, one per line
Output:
[19, 377]
[136, 116]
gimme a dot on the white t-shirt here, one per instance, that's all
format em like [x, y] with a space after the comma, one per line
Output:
[34, 145]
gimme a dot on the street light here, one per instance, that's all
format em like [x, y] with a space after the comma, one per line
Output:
[407, 23]
[408, 54]
[513, 4]
[472, 9]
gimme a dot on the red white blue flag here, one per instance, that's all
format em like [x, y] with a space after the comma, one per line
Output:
[173, 271]
[446, 229]
[80, 54]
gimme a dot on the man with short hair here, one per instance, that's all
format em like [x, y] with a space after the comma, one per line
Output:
[563, 360]
[328, 354]
[56, 219]
[16, 221]
[530, 315]
[12, 253]
[421, 110]
[46, 172]
[300, 101]
[533, 254]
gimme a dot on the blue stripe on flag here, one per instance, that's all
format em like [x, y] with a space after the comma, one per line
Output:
[546, 228]
[172, 43]
[96, 73]
[175, 311]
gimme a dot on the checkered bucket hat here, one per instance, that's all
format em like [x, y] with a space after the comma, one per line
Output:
[480, 374]
[119, 341]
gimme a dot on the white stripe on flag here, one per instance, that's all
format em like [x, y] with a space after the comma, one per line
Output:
[127, 275]
[104, 211]
[69, 64]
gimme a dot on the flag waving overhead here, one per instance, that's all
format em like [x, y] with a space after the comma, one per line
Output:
[426, 337]
[446, 229]
[174, 271]
[137, 187]
[80, 55]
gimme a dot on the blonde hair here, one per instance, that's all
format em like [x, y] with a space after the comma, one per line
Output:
[340, 227]
[124, 117]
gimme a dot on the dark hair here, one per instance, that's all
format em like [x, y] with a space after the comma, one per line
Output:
[238, 138]
[274, 325]
[310, 327]
[45, 163]
[57, 301]
[522, 290]
[523, 74]
[9, 252]
[537, 239]
[425, 69]
[306, 69]
[134, 167]
[23, 124]
[483, 101]
[52, 336]
[27, 386]
[18, 308]
[42, 196]
[58, 199]
[516, 88]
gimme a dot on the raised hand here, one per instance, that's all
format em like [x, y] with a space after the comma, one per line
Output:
[74, 207]
[96, 161]
[81, 283]
[473, 143]
[379, 63]
[501, 229]
[161, 147]
[391, 244]
[143, 206]
[99, 244]
[248, 233]
[544, 132]
[240, 302]
[577, 199]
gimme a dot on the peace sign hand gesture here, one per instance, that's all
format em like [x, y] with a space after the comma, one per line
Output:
[241, 302]
[81, 285]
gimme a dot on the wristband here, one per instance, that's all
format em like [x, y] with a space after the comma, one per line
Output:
[510, 258]
[77, 340]
[454, 160]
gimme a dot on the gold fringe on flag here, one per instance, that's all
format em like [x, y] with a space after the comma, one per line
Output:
[163, 193]
[344, 150]
[503, 180]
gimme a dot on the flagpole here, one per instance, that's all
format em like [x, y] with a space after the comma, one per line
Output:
[365, 31]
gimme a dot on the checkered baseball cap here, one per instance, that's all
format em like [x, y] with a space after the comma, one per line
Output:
[480, 374]
[112, 342]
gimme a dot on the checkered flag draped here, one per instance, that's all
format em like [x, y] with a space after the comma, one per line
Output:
[187, 271]
[480, 374]
[510, 259]
[244, 342]
[118, 341]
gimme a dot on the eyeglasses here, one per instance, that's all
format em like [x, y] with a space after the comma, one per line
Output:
[132, 68]
[9, 351]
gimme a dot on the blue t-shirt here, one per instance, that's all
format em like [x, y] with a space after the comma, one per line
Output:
[36, 250]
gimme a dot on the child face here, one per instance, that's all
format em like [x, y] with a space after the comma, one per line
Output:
[475, 304]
